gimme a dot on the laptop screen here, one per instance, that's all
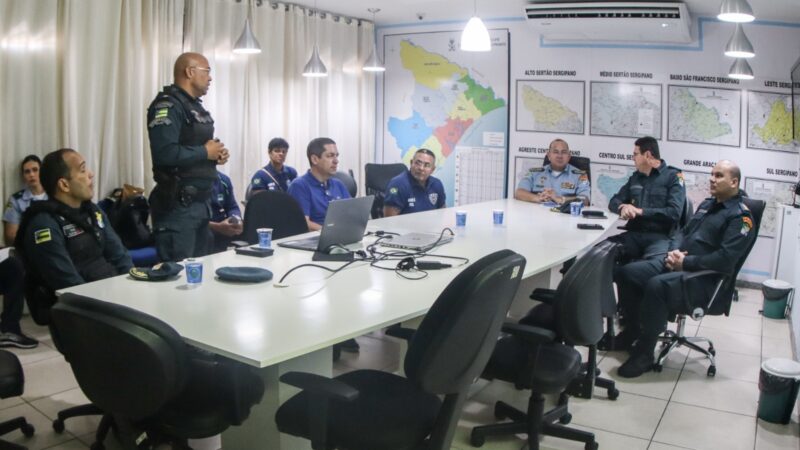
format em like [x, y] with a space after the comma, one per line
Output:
[345, 222]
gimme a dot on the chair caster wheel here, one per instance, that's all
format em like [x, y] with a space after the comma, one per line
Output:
[58, 426]
[565, 419]
[477, 440]
[27, 430]
[712, 370]
[657, 367]
[591, 445]
[613, 394]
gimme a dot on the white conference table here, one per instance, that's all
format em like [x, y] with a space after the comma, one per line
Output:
[280, 329]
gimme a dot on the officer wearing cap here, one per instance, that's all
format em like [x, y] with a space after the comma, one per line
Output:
[226, 217]
[19, 201]
[715, 238]
[67, 240]
[276, 175]
[415, 190]
[558, 181]
[185, 155]
[318, 187]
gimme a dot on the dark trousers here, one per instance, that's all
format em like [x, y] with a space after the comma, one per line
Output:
[641, 245]
[647, 251]
[180, 232]
[11, 287]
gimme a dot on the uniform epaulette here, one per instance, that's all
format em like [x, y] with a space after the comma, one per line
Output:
[18, 195]
[674, 168]
[165, 103]
[536, 169]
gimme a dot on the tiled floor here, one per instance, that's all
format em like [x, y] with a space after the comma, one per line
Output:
[679, 408]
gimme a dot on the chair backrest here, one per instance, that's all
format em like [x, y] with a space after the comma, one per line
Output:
[276, 210]
[377, 178]
[348, 180]
[455, 339]
[688, 212]
[126, 362]
[581, 294]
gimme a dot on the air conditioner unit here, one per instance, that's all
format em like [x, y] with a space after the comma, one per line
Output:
[647, 22]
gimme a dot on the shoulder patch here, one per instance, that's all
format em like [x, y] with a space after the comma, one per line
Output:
[18, 195]
[99, 217]
[163, 104]
[747, 225]
[681, 181]
[8, 204]
[159, 121]
[393, 190]
[42, 236]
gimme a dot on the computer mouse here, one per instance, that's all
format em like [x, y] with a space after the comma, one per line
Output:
[337, 250]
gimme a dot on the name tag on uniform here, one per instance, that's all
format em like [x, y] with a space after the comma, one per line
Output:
[71, 230]
[567, 185]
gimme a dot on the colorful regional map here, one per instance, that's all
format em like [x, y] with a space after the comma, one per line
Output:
[769, 121]
[550, 106]
[442, 99]
[704, 115]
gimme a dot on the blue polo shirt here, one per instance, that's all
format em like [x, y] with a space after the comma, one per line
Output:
[223, 202]
[406, 194]
[266, 178]
[314, 195]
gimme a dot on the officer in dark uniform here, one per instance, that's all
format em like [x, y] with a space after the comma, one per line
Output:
[226, 217]
[67, 240]
[185, 154]
[715, 238]
[652, 203]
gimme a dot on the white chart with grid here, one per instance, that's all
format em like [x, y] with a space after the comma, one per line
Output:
[480, 174]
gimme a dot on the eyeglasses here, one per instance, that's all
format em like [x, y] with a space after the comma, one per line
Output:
[423, 164]
[559, 152]
[205, 69]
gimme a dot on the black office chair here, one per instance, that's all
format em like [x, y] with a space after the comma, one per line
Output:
[349, 181]
[12, 384]
[377, 178]
[139, 371]
[369, 409]
[544, 360]
[544, 315]
[272, 209]
[718, 304]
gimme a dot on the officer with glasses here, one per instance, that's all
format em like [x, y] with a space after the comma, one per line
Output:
[415, 190]
[558, 181]
[185, 156]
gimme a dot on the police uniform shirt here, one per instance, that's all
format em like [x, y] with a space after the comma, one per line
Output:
[406, 194]
[223, 202]
[46, 243]
[313, 196]
[17, 204]
[267, 181]
[571, 182]
[716, 235]
[660, 195]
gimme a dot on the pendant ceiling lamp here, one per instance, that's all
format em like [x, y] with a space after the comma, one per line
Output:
[741, 70]
[315, 68]
[475, 37]
[247, 43]
[374, 63]
[735, 11]
[739, 46]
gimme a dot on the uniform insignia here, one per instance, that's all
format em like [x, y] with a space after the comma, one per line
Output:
[71, 230]
[99, 217]
[744, 207]
[747, 225]
[567, 185]
[583, 178]
[536, 169]
[257, 181]
[433, 197]
[393, 190]
[42, 236]
[8, 204]
[161, 105]
[161, 113]
[159, 121]
[220, 198]
[680, 179]
[271, 186]
[542, 180]
[578, 171]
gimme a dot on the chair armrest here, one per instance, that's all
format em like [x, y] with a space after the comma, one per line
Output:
[530, 334]
[697, 312]
[317, 384]
[701, 273]
[400, 333]
[543, 295]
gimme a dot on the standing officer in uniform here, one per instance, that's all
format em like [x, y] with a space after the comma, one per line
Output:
[715, 238]
[652, 202]
[276, 175]
[67, 240]
[558, 181]
[415, 190]
[226, 217]
[19, 201]
[185, 155]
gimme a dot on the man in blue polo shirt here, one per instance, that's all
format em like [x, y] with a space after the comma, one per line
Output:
[275, 176]
[415, 190]
[226, 217]
[317, 188]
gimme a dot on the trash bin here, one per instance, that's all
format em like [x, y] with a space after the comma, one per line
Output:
[776, 295]
[778, 382]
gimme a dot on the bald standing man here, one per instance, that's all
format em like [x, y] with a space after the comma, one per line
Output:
[185, 154]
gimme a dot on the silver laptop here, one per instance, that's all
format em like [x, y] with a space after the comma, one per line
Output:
[416, 241]
[345, 222]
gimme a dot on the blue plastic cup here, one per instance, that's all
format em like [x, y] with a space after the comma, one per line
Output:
[264, 237]
[461, 218]
[575, 208]
[194, 271]
[497, 216]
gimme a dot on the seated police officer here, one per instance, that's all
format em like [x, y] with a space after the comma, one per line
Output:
[276, 175]
[317, 188]
[19, 201]
[226, 217]
[558, 181]
[715, 238]
[185, 155]
[67, 240]
[415, 190]
[652, 202]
